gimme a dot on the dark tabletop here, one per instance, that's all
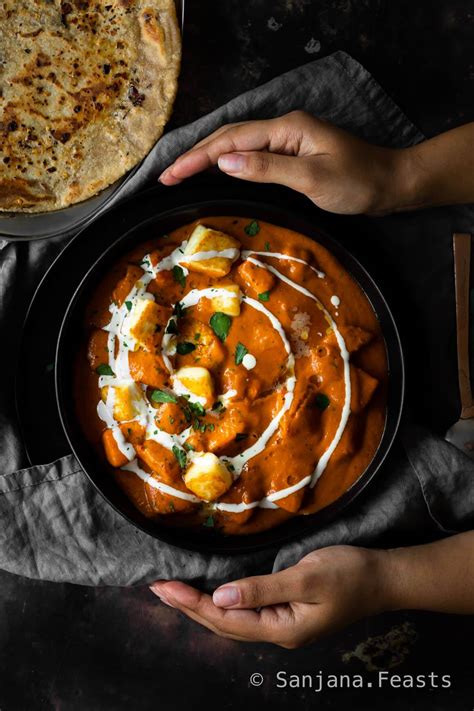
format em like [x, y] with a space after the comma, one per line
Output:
[67, 647]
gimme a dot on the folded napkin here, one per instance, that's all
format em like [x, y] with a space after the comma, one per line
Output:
[55, 526]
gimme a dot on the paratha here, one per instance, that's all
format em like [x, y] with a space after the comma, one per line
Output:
[86, 89]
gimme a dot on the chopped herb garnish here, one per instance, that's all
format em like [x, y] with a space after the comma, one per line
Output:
[129, 305]
[180, 456]
[267, 247]
[220, 324]
[104, 369]
[171, 420]
[129, 431]
[185, 348]
[264, 296]
[252, 229]
[240, 436]
[179, 276]
[172, 327]
[171, 506]
[197, 336]
[179, 309]
[322, 401]
[163, 396]
[197, 408]
[240, 352]
[189, 447]
[211, 427]
[231, 467]
[218, 406]
[209, 522]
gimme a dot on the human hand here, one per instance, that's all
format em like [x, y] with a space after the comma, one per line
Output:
[337, 171]
[324, 591]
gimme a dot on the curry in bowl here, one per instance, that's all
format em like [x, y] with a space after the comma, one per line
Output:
[233, 374]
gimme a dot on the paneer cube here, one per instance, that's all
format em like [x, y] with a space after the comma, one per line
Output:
[208, 477]
[230, 304]
[196, 380]
[128, 400]
[256, 280]
[205, 239]
[145, 317]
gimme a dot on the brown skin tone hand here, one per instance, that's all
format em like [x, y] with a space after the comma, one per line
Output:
[335, 586]
[330, 588]
[337, 171]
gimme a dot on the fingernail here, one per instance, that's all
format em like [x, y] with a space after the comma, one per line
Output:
[165, 601]
[226, 596]
[231, 163]
[156, 589]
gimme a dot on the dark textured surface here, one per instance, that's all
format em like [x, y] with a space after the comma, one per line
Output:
[419, 51]
[65, 647]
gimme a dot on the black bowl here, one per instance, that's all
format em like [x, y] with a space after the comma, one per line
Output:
[181, 209]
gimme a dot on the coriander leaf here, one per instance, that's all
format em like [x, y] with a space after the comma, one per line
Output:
[104, 369]
[209, 522]
[322, 401]
[240, 352]
[172, 327]
[264, 296]
[217, 406]
[179, 276]
[252, 229]
[267, 247]
[171, 506]
[220, 324]
[189, 447]
[185, 348]
[129, 305]
[211, 427]
[197, 408]
[240, 436]
[180, 456]
[163, 396]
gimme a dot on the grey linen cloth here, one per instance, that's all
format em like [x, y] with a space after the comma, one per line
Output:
[55, 526]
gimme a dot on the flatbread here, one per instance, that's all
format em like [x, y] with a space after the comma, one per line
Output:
[86, 89]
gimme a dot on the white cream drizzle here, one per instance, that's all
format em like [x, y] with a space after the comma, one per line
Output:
[278, 255]
[346, 410]
[148, 479]
[117, 329]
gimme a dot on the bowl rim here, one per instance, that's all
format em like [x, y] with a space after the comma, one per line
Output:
[247, 204]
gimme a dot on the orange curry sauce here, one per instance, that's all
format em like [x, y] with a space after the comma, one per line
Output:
[304, 432]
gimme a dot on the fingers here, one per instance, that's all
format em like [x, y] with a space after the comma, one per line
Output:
[270, 625]
[290, 585]
[253, 135]
[263, 167]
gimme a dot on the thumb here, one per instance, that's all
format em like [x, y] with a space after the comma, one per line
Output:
[264, 167]
[261, 590]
